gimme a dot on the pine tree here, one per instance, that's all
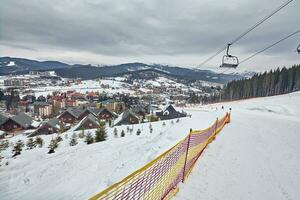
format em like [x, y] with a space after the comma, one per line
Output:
[150, 128]
[18, 147]
[53, 145]
[101, 134]
[172, 122]
[177, 120]
[39, 141]
[164, 123]
[59, 139]
[4, 145]
[115, 132]
[138, 132]
[89, 139]
[30, 144]
[73, 140]
[122, 133]
[128, 129]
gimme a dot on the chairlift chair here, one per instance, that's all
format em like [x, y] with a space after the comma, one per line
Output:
[298, 49]
[229, 61]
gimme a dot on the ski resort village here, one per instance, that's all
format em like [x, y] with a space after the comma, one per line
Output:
[149, 100]
[83, 136]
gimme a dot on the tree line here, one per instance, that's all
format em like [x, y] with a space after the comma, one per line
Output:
[274, 82]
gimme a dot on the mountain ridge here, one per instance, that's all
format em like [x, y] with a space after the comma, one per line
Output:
[12, 65]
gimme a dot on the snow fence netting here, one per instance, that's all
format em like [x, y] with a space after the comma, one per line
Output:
[159, 178]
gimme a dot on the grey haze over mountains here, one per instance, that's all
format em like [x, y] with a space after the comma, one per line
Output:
[177, 32]
[10, 65]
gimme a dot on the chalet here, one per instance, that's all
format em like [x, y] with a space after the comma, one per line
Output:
[88, 122]
[70, 115]
[140, 109]
[51, 126]
[18, 123]
[106, 114]
[169, 113]
[127, 117]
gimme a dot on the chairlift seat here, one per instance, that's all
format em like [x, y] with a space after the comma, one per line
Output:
[230, 61]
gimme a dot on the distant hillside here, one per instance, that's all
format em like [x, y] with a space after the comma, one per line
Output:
[10, 65]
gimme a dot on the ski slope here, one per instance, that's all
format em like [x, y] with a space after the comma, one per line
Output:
[254, 157]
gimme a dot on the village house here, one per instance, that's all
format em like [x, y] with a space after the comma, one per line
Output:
[127, 117]
[51, 126]
[106, 114]
[169, 113]
[71, 103]
[42, 109]
[59, 102]
[17, 123]
[88, 122]
[70, 115]
[111, 104]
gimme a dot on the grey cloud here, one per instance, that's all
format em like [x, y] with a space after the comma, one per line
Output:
[136, 27]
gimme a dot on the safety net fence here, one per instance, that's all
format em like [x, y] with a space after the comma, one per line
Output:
[159, 178]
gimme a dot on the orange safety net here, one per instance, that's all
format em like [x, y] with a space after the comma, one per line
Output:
[159, 178]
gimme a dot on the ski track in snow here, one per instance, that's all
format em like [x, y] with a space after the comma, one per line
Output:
[254, 157]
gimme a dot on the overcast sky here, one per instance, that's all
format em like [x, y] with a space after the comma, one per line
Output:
[176, 32]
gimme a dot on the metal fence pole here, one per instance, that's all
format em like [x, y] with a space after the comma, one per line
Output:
[186, 155]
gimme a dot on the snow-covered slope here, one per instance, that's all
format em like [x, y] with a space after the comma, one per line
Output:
[254, 157]
[257, 156]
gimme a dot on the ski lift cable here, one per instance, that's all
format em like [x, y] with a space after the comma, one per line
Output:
[247, 31]
[270, 46]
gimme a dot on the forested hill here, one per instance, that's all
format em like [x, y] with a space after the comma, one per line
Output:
[270, 83]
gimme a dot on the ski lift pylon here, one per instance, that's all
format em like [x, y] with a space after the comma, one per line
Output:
[229, 61]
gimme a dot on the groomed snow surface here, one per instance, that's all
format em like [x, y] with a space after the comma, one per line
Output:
[256, 156]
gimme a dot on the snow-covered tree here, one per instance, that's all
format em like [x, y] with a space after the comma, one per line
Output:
[66, 136]
[172, 122]
[164, 124]
[30, 143]
[53, 145]
[39, 141]
[59, 139]
[177, 120]
[101, 134]
[131, 130]
[4, 144]
[128, 129]
[138, 132]
[73, 140]
[122, 133]
[18, 147]
[89, 139]
[115, 132]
